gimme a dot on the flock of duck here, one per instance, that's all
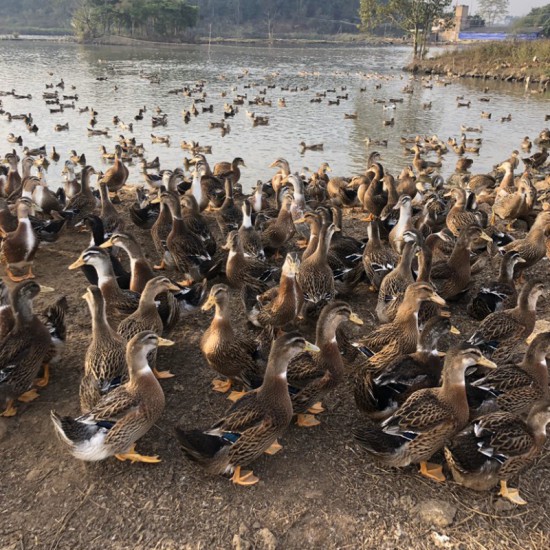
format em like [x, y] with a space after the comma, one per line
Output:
[281, 259]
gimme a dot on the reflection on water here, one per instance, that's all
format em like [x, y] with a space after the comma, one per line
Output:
[25, 66]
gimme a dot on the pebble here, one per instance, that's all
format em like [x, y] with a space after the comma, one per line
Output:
[502, 505]
[267, 539]
[239, 543]
[3, 428]
[436, 512]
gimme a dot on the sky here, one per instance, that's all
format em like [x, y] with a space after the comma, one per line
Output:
[517, 7]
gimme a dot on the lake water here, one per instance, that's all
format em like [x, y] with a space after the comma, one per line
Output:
[24, 65]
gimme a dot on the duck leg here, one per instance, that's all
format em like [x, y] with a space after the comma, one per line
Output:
[10, 410]
[511, 494]
[222, 386]
[44, 381]
[28, 396]
[236, 395]
[317, 408]
[307, 421]
[159, 374]
[132, 456]
[432, 471]
[246, 477]
[18, 279]
[161, 266]
[274, 448]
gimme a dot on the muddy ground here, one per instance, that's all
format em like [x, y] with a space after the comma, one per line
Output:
[320, 491]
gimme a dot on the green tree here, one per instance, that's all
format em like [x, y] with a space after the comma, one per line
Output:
[415, 17]
[537, 17]
[493, 10]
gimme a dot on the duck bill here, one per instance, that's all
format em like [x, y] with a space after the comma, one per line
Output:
[44, 288]
[79, 263]
[436, 298]
[300, 220]
[106, 244]
[209, 304]
[156, 200]
[484, 362]
[165, 342]
[454, 330]
[354, 318]
[311, 347]
[174, 287]
[486, 237]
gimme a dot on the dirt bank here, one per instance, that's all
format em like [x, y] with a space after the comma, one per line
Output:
[321, 491]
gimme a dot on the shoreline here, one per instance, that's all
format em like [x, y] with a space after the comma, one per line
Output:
[523, 62]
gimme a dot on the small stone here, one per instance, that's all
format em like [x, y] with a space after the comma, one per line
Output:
[256, 525]
[34, 474]
[502, 505]
[239, 543]
[267, 539]
[3, 428]
[436, 512]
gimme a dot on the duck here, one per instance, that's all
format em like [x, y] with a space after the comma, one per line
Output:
[105, 359]
[242, 271]
[196, 223]
[278, 232]
[348, 249]
[6, 313]
[391, 385]
[23, 349]
[405, 223]
[19, 247]
[83, 203]
[12, 138]
[229, 170]
[532, 247]
[500, 294]
[70, 185]
[113, 222]
[115, 177]
[452, 277]
[186, 249]
[499, 334]
[515, 388]
[391, 340]
[122, 300]
[229, 216]
[315, 276]
[340, 194]
[252, 425]
[207, 188]
[379, 258]
[53, 318]
[311, 376]
[95, 225]
[429, 417]
[509, 207]
[123, 415]
[232, 355]
[537, 160]
[279, 306]
[311, 147]
[459, 217]
[171, 306]
[393, 285]
[250, 238]
[147, 317]
[496, 447]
